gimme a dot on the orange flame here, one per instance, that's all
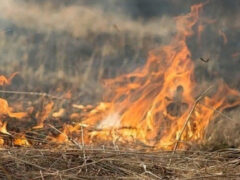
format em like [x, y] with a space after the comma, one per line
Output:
[6, 81]
[3, 128]
[5, 110]
[43, 115]
[151, 104]
[21, 140]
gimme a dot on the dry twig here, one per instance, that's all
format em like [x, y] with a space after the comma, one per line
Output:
[32, 94]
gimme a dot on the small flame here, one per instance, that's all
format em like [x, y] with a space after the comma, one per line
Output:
[43, 115]
[59, 113]
[5, 110]
[3, 128]
[21, 140]
[6, 81]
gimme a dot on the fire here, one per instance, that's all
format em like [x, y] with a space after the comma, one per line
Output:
[43, 115]
[3, 128]
[21, 140]
[151, 104]
[5, 110]
[6, 81]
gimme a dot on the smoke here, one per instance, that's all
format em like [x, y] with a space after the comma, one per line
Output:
[78, 19]
[76, 42]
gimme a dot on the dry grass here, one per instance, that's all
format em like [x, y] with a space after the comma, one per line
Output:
[109, 163]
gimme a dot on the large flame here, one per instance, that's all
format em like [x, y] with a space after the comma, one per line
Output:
[151, 104]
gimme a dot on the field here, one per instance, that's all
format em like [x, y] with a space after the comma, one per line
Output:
[66, 64]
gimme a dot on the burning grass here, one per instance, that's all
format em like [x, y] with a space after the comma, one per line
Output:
[31, 153]
[28, 154]
[157, 107]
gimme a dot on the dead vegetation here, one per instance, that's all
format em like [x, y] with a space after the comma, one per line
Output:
[111, 163]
